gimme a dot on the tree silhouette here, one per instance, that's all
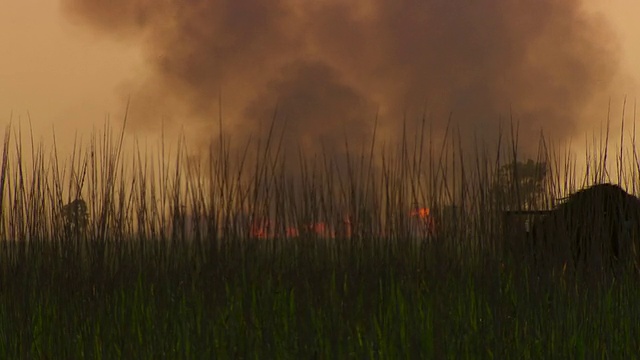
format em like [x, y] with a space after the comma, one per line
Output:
[519, 185]
[75, 216]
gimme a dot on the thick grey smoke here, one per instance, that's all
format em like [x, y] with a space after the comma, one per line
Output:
[329, 66]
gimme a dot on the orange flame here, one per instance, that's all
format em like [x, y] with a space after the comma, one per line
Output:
[260, 229]
[292, 231]
[424, 215]
[421, 212]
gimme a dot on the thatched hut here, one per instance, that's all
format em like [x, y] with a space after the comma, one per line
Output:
[593, 232]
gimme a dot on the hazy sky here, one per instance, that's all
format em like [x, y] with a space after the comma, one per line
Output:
[68, 75]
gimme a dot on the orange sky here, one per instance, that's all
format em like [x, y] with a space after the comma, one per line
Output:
[69, 77]
[61, 76]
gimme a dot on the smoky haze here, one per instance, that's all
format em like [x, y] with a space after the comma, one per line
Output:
[330, 67]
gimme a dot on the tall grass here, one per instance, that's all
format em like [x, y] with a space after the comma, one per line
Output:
[168, 267]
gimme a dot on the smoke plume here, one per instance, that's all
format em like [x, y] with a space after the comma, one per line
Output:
[330, 67]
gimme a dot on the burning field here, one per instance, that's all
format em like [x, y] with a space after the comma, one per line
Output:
[337, 190]
[162, 262]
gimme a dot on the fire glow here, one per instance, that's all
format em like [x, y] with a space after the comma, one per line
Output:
[421, 217]
[264, 229]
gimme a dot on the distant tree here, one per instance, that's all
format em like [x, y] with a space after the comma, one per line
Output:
[520, 185]
[75, 216]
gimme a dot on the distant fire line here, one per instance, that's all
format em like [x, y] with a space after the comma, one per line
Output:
[264, 229]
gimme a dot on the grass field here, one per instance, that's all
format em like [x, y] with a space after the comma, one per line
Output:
[165, 264]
